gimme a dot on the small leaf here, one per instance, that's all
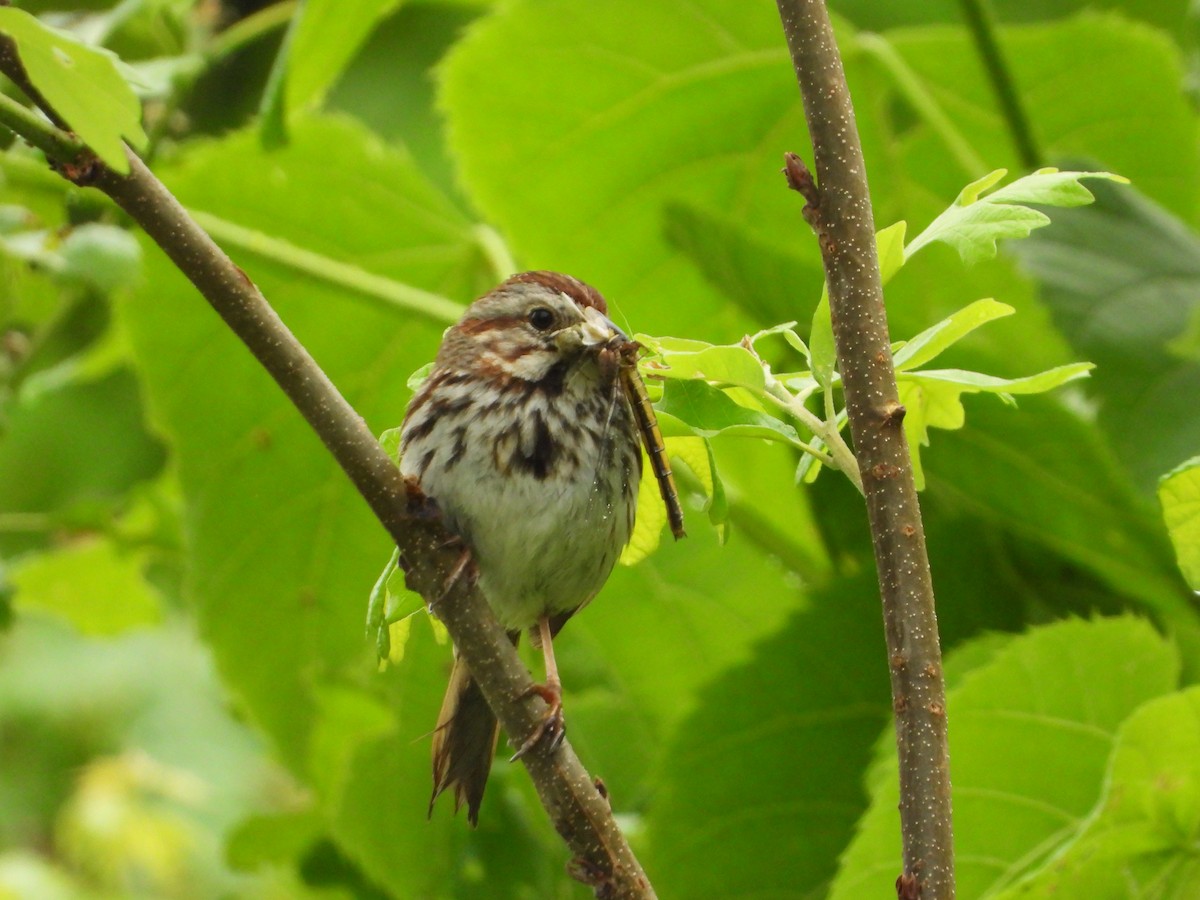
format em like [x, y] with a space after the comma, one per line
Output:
[934, 340]
[823, 351]
[976, 220]
[697, 455]
[974, 382]
[390, 441]
[890, 244]
[698, 408]
[81, 83]
[651, 517]
[933, 399]
[797, 344]
[417, 378]
[726, 364]
[1179, 493]
[377, 598]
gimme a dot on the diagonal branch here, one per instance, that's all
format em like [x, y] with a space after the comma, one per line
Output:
[838, 207]
[575, 801]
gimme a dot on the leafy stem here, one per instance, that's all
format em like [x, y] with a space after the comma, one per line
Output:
[840, 456]
[388, 291]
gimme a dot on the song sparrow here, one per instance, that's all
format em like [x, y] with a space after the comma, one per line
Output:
[526, 435]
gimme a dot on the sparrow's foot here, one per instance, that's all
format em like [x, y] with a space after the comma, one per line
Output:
[553, 727]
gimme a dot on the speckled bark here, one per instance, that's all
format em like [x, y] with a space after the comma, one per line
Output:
[839, 209]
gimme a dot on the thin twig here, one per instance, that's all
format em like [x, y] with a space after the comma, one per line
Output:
[839, 208]
[579, 811]
[982, 26]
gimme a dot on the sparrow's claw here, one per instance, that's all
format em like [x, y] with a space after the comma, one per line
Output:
[552, 728]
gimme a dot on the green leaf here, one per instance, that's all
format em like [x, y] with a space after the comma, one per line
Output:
[328, 34]
[890, 245]
[933, 398]
[822, 350]
[765, 279]
[323, 38]
[870, 15]
[1047, 477]
[75, 450]
[1139, 68]
[1032, 733]
[697, 455]
[733, 774]
[974, 382]
[1140, 841]
[696, 407]
[82, 84]
[277, 839]
[376, 605]
[1122, 280]
[93, 585]
[977, 219]
[1179, 493]
[934, 340]
[730, 364]
[586, 82]
[651, 517]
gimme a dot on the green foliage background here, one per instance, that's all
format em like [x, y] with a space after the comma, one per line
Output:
[188, 707]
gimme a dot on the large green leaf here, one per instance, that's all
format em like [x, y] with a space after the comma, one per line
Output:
[770, 764]
[1141, 840]
[1140, 70]
[878, 16]
[1123, 281]
[1048, 477]
[81, 83]
[1179, 493]
[609, 118]
[769, 768]
[1030, 736]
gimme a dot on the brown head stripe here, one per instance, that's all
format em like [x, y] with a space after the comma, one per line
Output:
[583, 294]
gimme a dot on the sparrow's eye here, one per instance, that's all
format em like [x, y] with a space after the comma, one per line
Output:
[541, 318]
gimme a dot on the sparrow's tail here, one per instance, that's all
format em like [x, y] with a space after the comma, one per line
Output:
[464, 742]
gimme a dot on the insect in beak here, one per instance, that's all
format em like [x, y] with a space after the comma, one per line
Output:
[618, 350]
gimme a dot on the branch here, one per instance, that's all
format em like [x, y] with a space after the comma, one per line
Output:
[982, 26]
[575, 801]
[839, 209]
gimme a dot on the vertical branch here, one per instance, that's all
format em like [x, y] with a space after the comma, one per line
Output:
[839, 209]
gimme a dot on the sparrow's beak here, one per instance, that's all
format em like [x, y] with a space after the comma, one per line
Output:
[598, 329]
